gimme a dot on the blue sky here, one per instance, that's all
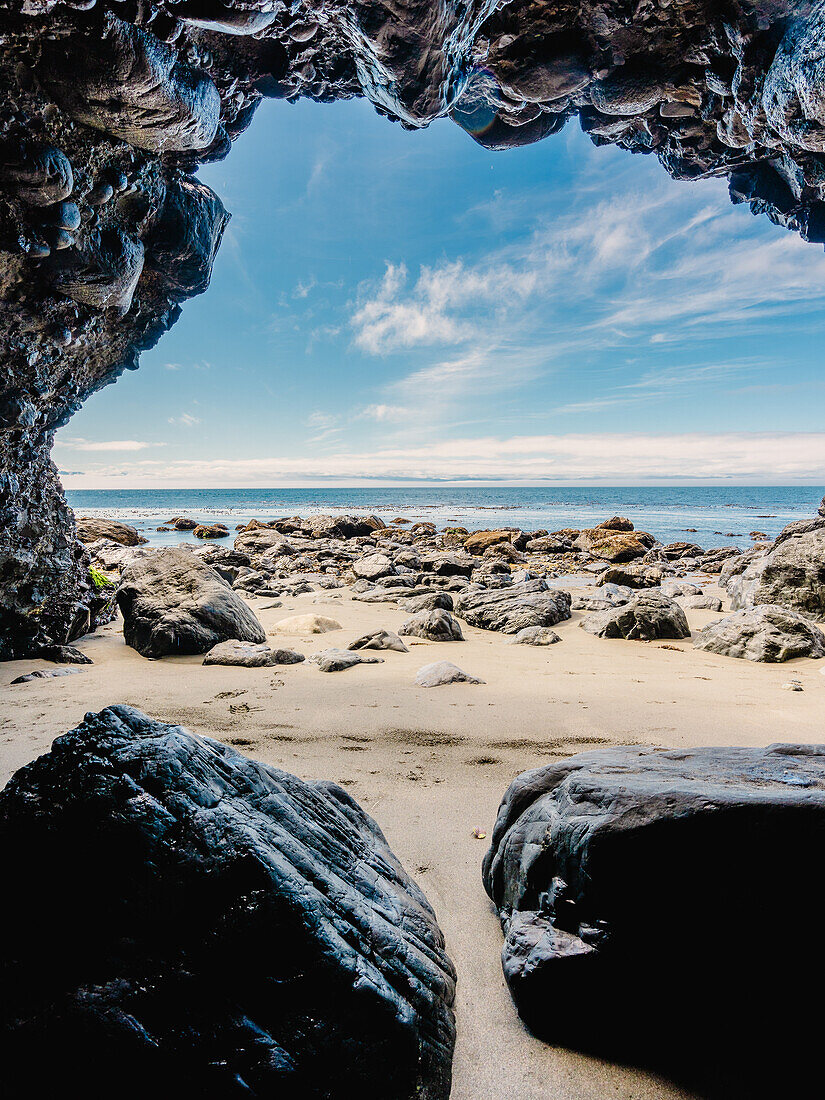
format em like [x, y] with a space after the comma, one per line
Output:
[405, 307]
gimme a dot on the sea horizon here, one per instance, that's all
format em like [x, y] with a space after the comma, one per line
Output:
[708, 515]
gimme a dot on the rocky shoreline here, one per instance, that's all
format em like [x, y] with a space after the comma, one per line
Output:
[514, 582]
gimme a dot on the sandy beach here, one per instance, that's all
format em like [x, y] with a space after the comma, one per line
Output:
[431, 765]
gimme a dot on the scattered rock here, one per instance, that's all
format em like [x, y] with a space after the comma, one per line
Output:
[373, 566]
[92, 528]
[436, 626]
[336, 660]
[480, 541]
[210, 531]
[440, 673]
[64, 655]
[427, 601]
[511, 609]
[379, 639]
[704, 603]
[617, 523]
[764, 633]
[534, 635]
[305, 624]
[173, 604]
[644, 618]
[793, 575]
[614, 547]
[45, 674]
[250, 655]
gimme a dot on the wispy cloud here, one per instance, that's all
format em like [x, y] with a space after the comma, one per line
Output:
[185, 420]
[78, 444]
[613, 458]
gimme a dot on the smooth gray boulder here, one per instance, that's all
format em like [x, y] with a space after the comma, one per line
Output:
[644, 618]
[793, 575]
[172, 603]
[765, 633]
[337, 660]
[512, 609]
[534, 635]
[373, 566]
[379, 639]
[226, 929]
[703, 603]
[250, 655]
[437, 625]
[672, 874]
[440, 673]
[427, 601]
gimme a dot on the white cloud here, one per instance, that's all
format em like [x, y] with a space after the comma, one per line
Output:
[612, 458]
[383, 413]
[185, 420]
[79, 444]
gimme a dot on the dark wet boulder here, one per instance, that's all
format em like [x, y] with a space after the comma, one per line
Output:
[186, 236]
[643, 618]
[765, 633]
[793, 575]
[226, 929]
[634, 868]
[512, 609]
[92, 528]
[173, 604]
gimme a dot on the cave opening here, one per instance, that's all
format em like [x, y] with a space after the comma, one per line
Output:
[112, 107]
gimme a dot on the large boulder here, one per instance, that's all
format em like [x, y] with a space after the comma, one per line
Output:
[437, 625]
[764, 633]
[174, 604]
[614, 546]
[373, 566]
[674, 878]
[480, 541]
[188, 922]
[512, 609]
[643, 618]
[259, 539]
[92, 528]
[793, 575]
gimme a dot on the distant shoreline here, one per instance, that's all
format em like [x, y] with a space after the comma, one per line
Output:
[709, 515]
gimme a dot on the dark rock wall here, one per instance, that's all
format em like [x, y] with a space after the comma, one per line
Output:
[107, 107]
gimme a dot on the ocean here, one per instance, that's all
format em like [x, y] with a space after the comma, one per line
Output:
[708, 515]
